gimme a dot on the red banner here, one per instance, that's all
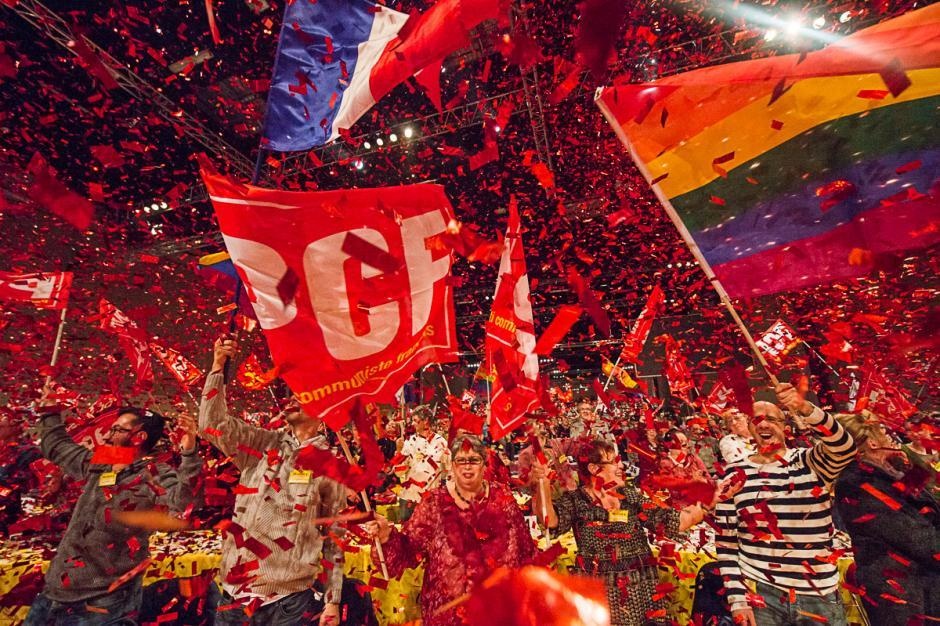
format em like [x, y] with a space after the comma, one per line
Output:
[634, 342]
[676, 369]
[510, 338]
[132, 339]
[351, 297]
[45, 291]
[777, 342]
[184, 370]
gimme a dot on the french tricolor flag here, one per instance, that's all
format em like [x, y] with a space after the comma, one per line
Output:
[337, 58]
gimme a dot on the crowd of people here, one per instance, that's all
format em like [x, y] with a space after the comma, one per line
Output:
[775, 495]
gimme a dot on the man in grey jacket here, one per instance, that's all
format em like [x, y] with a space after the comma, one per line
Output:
[95, 577]
[272, 553]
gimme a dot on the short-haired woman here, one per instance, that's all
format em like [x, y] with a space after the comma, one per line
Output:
[461, 531]
[608, 517]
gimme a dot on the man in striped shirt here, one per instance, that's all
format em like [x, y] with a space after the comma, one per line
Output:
[776, 532]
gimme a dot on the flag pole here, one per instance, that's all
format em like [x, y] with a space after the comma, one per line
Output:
[366, 503]
[612, 370]
[687, 237]
[58, 338]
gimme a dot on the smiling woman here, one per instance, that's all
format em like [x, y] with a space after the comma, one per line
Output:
[461, 532]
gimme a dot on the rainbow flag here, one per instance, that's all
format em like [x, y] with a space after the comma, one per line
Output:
[797, 170]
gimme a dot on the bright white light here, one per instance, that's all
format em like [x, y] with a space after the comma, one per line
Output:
[393, 137]
[408, 132]
[155, 206]
[793, 26]
[366, 145]
[845, 17]
[771, 34]
[359, 164]
[819, 22]
[146, 209]
[497, 128]
[164, 205]
[379, 141]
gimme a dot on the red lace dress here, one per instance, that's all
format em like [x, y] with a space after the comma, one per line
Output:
[459, 548]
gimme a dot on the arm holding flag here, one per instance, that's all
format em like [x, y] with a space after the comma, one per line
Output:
[229, 434]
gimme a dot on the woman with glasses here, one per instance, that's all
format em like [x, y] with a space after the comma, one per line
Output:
[893, 522]
[608, 517]
[461, 531]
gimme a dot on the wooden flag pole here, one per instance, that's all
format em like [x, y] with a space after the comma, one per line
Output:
[58, 338]
[366, 502]
[687, 237]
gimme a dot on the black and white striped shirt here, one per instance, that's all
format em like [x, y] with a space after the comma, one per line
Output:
[778, 528]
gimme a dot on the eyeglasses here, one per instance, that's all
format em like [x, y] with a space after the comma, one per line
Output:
[467, 461]
[117, 429]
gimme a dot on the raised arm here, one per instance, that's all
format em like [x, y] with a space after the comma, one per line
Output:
[235, 438]
[182, 486]
[59, 447]
[56, 444]
[835, 447]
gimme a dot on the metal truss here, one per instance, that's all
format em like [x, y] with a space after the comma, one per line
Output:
[57, 29]
[183, 245]
[426, 127]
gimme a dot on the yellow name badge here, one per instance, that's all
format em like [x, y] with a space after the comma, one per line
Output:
[300, 477]
[107, 479]
[618, 515]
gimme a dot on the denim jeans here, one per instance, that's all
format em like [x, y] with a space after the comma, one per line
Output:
[302, 607]
[119, 609]
[802, 612]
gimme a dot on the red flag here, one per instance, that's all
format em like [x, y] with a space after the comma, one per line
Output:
[252, 376]
[719, 398]
[777, 342]
[881, 397]
[676, 369]
[45, 291]
[734, 377]
[510, 337]
[182, 368]
[633, 343]
[49, 192]
[372, 302]
[132, 340]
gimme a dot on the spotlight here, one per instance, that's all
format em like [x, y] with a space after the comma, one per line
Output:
[845, 17]
[164, 205]
[819, 22]
[366, 145]
[379, 142]
[497, 128]
[155, 207]
[793, 27]
[393, 137]
[408, 132]
[359, 164]
[770, 35]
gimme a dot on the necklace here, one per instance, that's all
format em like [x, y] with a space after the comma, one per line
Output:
[466, 501]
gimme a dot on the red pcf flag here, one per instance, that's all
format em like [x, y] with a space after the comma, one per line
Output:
[510, 338]
[350, 296]
[633, 343]
[45, 291]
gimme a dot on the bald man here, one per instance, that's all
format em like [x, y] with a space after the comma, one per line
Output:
[776, 532]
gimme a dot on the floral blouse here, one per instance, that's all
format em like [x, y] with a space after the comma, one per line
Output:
[459, 548]
[609, 542]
